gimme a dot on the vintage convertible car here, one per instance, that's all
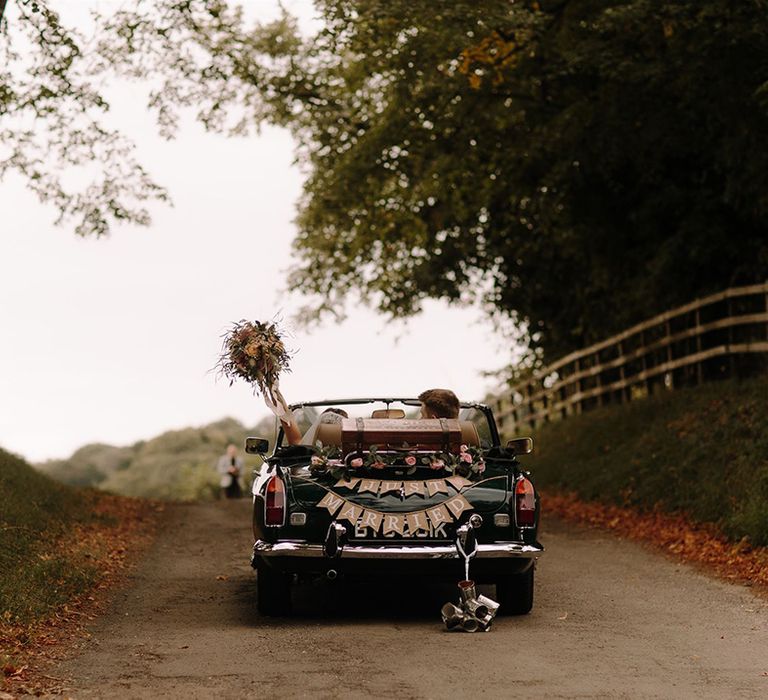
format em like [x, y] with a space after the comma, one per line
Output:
[382, 492]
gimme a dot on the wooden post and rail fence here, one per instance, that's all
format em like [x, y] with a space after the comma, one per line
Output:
[718, 336]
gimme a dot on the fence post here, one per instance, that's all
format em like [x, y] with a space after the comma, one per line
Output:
[624, 391]
[699, 366]
[644, 360]
[668, 332]
[577, 369]
[731, 356]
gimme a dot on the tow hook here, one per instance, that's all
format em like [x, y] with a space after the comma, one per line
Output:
[335, 540]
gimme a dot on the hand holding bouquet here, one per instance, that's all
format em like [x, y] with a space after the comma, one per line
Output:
[255, 352]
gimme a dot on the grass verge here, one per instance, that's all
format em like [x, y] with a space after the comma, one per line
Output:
[702, 452]
[58, 547]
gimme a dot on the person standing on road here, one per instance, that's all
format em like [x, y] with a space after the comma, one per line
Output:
[230, 467]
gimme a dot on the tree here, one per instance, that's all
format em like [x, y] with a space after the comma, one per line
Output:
[52, 130]
[576, 165]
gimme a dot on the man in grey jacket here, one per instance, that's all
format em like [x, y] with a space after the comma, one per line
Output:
[230, 467]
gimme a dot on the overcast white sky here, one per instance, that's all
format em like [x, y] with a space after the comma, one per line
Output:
[111, 340]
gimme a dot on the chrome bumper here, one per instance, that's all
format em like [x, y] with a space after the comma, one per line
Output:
[357, 551]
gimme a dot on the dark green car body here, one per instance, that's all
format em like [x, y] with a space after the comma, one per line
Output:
[299, 547]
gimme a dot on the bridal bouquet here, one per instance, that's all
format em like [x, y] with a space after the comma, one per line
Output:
[255, 352]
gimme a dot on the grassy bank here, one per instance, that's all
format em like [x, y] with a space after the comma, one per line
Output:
[58, 545]
[703, 451]
[35, 512]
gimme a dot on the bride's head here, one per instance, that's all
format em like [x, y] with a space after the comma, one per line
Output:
[331, 416]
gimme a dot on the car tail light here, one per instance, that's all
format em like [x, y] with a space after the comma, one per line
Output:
[274, 502]
[525, 503]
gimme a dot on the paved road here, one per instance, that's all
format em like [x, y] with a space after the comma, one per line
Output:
[611, 619]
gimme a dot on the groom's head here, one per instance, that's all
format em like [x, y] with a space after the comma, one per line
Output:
[439, 403]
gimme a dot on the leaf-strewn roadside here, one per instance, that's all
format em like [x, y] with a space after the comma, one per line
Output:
[694, 543]
[59, 547]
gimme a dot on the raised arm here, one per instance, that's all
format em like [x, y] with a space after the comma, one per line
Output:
[292, 432]
[279, 407]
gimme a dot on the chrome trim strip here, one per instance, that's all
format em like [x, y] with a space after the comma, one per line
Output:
[355, 551]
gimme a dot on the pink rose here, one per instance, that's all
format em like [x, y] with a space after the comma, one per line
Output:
[410, 460]
[480, 467]
[466, 457]
[463, 449]
[378, 465]
[437, 464]
[356, 462]
[317, 461]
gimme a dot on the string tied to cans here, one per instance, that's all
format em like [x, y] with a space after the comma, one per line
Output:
[474, 613]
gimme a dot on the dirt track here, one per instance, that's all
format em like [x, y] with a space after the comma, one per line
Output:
[611, 619]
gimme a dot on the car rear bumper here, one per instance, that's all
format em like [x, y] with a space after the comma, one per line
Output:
[492, 562]
[393, 552]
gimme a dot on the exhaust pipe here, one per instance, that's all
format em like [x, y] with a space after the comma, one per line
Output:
[331, 574]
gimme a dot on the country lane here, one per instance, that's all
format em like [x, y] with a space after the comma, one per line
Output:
[611, 619]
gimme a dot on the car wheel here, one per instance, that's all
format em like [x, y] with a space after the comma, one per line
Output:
[273, 595]
[515, 593]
